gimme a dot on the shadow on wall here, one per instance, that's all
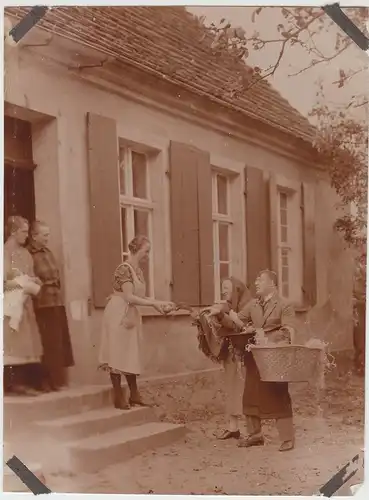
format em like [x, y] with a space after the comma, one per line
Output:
[171, 346]
[328, 324]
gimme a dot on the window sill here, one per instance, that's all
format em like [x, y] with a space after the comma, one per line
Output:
[147, 312]
[300, 308]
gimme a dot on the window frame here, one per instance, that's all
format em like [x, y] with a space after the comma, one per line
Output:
[217, 220]
[284, 245]
[294, 241]
[130, 202]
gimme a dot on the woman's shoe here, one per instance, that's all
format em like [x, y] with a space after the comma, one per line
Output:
[137, 401]
[21, 390]
[251, 441]
[229, 435]
[287, 446]
[120, 402]
[121, 405]
[32, 392]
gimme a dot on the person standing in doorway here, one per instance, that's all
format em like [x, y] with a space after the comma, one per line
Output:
[50, 311]
[22, 348]
[121, 338]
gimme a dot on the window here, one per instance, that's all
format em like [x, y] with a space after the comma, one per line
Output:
[222, 229]
[136, 205]
[283, 244]
[289, 245]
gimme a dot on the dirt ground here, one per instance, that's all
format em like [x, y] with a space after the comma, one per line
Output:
[329, 432]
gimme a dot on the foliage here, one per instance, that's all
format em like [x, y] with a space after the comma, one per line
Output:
[342, 141]
[301, 26]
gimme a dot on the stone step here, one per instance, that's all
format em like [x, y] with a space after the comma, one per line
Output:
[22, 410]
[93, 422]
[94, 453]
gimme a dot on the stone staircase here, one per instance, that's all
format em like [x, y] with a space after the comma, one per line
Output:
[79, 430]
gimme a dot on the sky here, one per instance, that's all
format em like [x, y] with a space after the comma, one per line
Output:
[301, 90]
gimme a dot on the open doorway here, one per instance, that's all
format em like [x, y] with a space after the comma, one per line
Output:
[19, 199]
[19, 188]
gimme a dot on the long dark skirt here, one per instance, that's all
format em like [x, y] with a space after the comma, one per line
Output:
[56, 343]
[266, 400]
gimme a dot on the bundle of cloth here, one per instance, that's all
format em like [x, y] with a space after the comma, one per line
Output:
[15, 299]
[226, 346]
[215, 340]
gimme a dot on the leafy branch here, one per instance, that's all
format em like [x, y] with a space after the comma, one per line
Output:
[301, 26]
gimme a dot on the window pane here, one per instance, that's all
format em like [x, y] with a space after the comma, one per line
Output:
[139, 174]
[224, 271]
[283, 200]
[141, 222]
[145, 266]
[223, 242]
[284, 257]
[141, 226]
[284, 235]
[283, 214]
[122, 181]
[284, 274]
[222, 183]
[123, 222]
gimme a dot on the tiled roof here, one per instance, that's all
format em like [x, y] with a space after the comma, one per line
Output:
[170, 41]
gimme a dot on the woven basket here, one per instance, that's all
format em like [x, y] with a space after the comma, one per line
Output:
[288, 363]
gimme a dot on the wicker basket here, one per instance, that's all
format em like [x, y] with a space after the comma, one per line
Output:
[288, 363]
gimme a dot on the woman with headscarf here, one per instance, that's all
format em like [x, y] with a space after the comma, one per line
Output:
[224, 346]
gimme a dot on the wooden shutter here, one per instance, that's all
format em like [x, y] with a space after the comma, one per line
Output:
[105, 228]
[257, 224]
[309, 245]
[204, 193]
[184, 224]
[191, 225]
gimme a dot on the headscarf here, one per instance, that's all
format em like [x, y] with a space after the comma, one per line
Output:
[241, 295]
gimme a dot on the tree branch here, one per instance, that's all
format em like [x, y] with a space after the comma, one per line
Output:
[323, 60]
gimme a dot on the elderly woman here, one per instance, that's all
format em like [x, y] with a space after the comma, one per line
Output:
[22, 348]
[50, 311]
[121, 340]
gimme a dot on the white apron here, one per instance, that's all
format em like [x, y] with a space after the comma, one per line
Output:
[121, 336]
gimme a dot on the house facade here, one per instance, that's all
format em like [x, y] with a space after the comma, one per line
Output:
[105, 140]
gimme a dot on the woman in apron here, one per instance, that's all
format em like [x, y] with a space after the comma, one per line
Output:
[121, 341]
[22, 348]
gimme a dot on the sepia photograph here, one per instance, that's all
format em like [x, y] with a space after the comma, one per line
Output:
[185, 249]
